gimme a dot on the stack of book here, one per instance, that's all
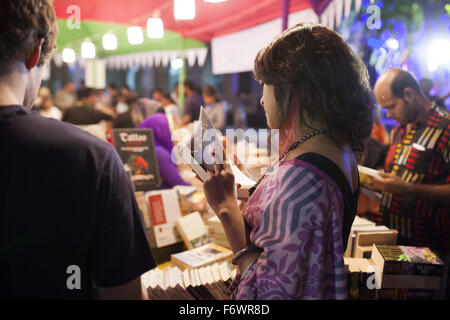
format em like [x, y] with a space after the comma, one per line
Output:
[364, 234]
[394, 273]
[407, 272]
[360, 279]
[217, 232]
[206, 283]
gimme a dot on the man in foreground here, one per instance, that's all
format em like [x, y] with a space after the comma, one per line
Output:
[69, 222]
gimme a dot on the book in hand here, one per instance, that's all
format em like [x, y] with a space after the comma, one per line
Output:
[136, 149]
[193, 230]
[201, 256]
[197, 152]
[366, 174]
[206, 283]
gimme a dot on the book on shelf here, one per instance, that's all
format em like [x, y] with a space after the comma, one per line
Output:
[136, 149]
[206, 283]
[364, 240]
[193, 230]
[201, 256]
[403, 267]
[406, 260]
[186, 190]
[216, 231]
[164, 211]
[405, 294]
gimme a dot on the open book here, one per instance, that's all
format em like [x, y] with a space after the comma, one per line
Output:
[198, 152]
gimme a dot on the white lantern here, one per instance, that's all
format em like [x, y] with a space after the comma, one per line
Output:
[110, 41]
[184, 9]
[155, 28]
[88, 50]
[135, 35]
[177, 63]
[68, 55]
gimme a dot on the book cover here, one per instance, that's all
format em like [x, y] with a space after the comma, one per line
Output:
[164, 212]
[193, 230]
[201, 256]
[407, 260]
[136, 149]
[197, 152]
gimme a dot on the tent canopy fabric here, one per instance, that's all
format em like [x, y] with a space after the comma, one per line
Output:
[212, 19]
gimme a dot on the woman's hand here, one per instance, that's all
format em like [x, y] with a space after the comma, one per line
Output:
[219, 190]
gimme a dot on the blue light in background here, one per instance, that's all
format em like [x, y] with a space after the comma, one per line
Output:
[374, 43]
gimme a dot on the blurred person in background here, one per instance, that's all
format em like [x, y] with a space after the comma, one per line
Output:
[163, 146]
[138, 110]
[170, 108]
[109, 96]
[193, 102]
[65, 97]
[43, 92]
[49, 110]
[85, 113]
[216, 108]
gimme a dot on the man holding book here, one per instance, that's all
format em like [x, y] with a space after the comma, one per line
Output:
[416, 191]
[69, 222]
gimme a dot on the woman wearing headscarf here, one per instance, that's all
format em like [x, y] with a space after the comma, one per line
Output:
[163, 146]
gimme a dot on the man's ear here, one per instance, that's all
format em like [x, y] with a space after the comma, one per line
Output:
[33, 59]
[409, 95]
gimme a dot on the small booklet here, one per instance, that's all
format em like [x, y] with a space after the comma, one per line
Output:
[366, 174]
[197, 152]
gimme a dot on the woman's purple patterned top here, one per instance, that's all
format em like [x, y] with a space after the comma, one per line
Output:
[295, 216]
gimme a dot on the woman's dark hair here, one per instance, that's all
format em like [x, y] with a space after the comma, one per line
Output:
[210, 91]
[312, 68]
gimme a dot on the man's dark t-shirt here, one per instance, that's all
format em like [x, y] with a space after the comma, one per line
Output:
[65, 200]
[84, 116]
[193, 105]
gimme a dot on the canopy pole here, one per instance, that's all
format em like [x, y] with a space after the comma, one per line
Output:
[181, 79]
[285, 14]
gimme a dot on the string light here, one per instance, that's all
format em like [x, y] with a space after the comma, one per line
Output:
[155, 28]
[135, 35]
[109, 41]
[184, 9]
[68, 55]
[88, 49]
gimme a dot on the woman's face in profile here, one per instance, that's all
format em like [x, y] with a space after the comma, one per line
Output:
[269, 104]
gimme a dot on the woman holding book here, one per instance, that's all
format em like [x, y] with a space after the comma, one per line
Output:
[290, 238]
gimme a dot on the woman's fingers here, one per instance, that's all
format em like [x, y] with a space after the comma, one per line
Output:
[217, 168]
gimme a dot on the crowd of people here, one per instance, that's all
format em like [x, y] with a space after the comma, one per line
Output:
[65, 199]
[126, 109]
